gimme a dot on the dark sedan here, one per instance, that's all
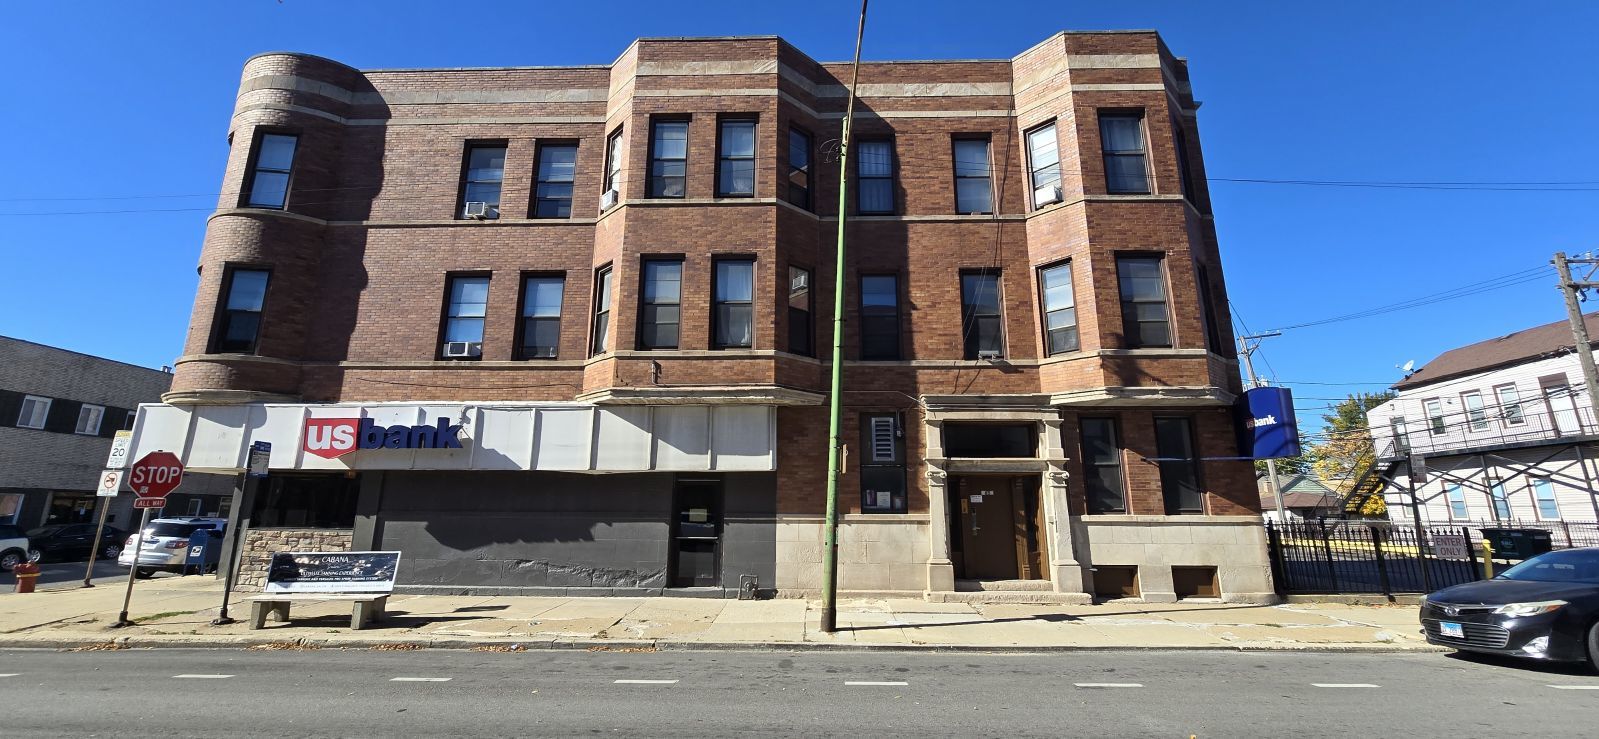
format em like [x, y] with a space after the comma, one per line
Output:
[1544, 608]
[72, 541]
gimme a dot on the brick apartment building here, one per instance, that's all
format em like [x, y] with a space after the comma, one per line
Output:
[611, 286]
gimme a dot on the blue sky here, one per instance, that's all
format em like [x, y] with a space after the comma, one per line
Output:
[132, 99]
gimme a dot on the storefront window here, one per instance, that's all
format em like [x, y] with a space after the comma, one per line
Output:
[306, 501]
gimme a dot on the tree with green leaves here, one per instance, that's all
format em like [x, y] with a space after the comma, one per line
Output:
[1346, 451]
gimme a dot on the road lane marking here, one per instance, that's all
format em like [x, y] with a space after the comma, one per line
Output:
[644, 682]
[9, 674]
[419, 679]
[1109, 685]
[189, 676]
[1556, 687]
[1344, 685]
[881, 683]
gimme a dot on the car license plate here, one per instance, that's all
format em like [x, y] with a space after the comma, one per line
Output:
[1451, 630]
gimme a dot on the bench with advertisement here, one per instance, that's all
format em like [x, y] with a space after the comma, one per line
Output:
[364, 579]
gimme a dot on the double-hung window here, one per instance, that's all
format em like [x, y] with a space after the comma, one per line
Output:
[973, 193]
[1043, 165]
[660, 311]
[601, 337]
[1435, 416]
[541, 316]
[35, 411]
[1145, 320]
[735, 159]
[1060, 309]
[981, 325]
[799, 168]
[1102, 466]
[481, 177]
[879, 317]
[874, 177]
[1509, 405]
[1179, 465]
[1499, 498]
[1121, 137]
[1185, 171]
[1457, 503]
[734, 294]
[557, 167]
[239, 322]
[883, 464]
[89, 418]
[668, 158]
[800, 334]
[270, 171]
[613, 161]
[1476, 414]
[464, 314]
[1543, 493]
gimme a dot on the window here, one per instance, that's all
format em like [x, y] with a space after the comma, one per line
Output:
[480, 182]
[800, 329]
[1510, 405]
[1544, 494]
[1179, 466]
[1208, 312]
[602, 311]
[882, 464]
[34, 412]
[1121, 137]
[972, 191]
[1396, 425]
[613, 161]
[194, 507]
[668, 158]
[1043, 165]
[659, 313]
[541, 316]
[1499, 499]
[990, 440]
[1102, 466]
[981, 327]
[1457, 502]
[306, 501]
[799, 168]
[469, 302]
[1145, 322]
[1184, 170]
[557, 168]
[1060, 309]
[89, 418]
[269, 172]
[734, 293]
[1476, 414]
[735, 159]
[1435, 416]
[239, 326]
[879, 317]
[10, 507]
[874, 178]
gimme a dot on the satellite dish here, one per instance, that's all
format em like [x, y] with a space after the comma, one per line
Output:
[1409, 368]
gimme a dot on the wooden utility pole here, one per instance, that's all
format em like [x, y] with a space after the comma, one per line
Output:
[1247, 350]
[1579, 329]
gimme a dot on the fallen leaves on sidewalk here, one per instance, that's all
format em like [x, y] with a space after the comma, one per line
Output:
[603, 648]
[399, 647]
[108, 646]
[499, 648]
[284, 646]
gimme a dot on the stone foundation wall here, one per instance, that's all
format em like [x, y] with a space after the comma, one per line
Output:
[260, 544]
[884, 554]
[1234, 545]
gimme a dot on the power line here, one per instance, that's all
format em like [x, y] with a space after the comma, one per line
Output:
[1533, 274]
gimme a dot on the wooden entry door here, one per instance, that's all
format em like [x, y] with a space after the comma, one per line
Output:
[988, 508]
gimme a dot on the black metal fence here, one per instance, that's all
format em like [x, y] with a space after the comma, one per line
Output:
[1376, 557]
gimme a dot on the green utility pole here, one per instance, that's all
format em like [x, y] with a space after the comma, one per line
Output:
[830, 526]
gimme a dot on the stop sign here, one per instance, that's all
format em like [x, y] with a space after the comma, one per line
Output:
[155, 474]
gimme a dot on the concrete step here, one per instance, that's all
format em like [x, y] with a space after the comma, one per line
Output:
[1009, 586]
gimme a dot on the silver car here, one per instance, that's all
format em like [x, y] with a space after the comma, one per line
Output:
[164, 544]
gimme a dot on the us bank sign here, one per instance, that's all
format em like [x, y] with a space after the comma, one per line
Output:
[331, 438]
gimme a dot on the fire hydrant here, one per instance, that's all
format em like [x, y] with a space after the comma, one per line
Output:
[27, 573]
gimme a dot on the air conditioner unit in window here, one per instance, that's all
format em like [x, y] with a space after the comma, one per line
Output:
[462, 349]
[476, 210]
[989, 355]
[1045, 195]
[608, 200]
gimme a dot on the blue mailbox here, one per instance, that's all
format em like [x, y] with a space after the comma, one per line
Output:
[205, 546]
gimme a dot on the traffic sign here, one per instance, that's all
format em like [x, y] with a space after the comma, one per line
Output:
[1451, 546]
[149, 502]
[110, 484]
[155, 475]
[260, 458]
[119, 450]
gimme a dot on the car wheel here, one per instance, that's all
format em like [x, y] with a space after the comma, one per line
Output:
[1593, 646]
[143, 573]
[111, 551]
[35, 556]
[11, 558]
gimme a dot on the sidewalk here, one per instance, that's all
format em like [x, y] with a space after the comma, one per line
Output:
[178, 611]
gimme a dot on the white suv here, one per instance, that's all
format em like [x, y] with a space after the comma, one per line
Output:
[164, 544]
[13, 547]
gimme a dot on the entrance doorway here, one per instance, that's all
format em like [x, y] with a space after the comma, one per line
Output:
[696, 534]
[1000, 528]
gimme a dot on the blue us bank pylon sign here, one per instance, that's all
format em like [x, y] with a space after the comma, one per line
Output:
[1267, 428]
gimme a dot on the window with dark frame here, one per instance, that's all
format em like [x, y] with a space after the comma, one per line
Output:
[306, 501]
[601, 341]
[1146, 321]
[239, 322]
[874, 177]
[541, 316]
[880, 317]
[1121, 138]
[733, 294]
[557, 170]
[271, 169]
[1435, 416]
[801, 331]
[799, 168]
[882, 464]
[982, 326]
[1060, 309]
[1184, 169]
[735, 158]
[668, 158]
[467, 308]
[89, 418]
[613, 160]
[1208, 312]
[973, 192]
[1043, 165]
[1179, 465]
[1102, 466]
[660, 310]
[481, 178]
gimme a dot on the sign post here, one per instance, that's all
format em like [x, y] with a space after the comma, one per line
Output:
[152, 477]
[110, 485]
[255, 470]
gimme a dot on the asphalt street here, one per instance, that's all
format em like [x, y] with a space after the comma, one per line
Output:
[208, 693]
